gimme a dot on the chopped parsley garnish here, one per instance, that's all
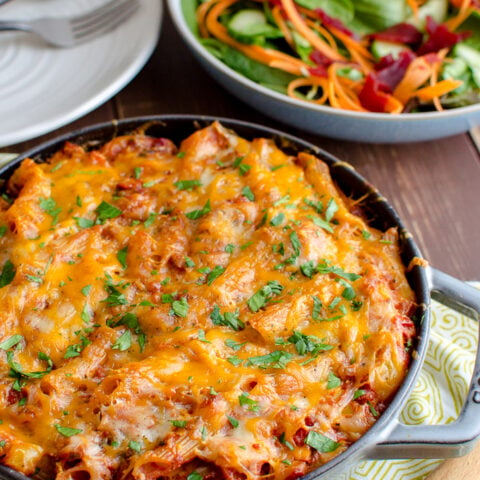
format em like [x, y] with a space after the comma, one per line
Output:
[137, 171]
[366, 234]
[188, 184]
[248, 194]
[11, 342]
[319, 222]
[85, 314]
[233, 421]
[180, 307]
[135, 446]
[245, 401]
[75, 350]
[130, 320]
[277, 220]
[308, 344]
[229, 248]
[261, 298]
[333, 381]
[227, 319]
[284, 441]
[325, 267]
[214, 274]
[67, 431]
[195, 476]
[86, 290]
[195, 214]
[189, 262]
[234, 360]
[284, 199]
[233, 344]
[124, 341]
[359, 393]
[308, 269]
[373, 411]
[115, 297]
[317, 206]
[8, 274]
[48, 205]
[150, 219]
[179, 423]
[84, 222]
[295, 243]
[122, 256]
[275, 359]
[17, 372]
[105, 211]
[3, 230]
[320, 442]
[331, 210]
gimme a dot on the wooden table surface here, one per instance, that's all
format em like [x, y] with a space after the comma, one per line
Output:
[434, 186]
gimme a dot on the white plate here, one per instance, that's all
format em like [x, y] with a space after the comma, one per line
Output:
[43, 88]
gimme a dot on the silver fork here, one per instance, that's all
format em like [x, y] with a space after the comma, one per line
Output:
[69, 32]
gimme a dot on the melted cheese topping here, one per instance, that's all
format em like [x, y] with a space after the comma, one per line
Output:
[215, 311]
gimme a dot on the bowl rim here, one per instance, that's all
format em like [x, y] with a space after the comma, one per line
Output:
[176, 12]
[102, 132]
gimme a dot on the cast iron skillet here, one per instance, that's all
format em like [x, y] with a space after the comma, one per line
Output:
[387, 438]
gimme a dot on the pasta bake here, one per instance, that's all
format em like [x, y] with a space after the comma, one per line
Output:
[212, 310]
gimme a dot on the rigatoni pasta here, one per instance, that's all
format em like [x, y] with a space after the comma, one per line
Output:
[212, 310]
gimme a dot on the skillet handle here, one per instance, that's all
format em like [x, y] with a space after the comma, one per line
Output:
[457, 438]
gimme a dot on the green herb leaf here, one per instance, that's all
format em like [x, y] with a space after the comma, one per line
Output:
[124, 342]
[248, 194]
[3, 230]
[233, 421]
[86, 290]
[150, 220]
[11, 342]
[180, 307]
[67, 431]
[105, 211]
[359, 393]
[188, 184]
[308, 268]
[308, 344]
[320, 442]
[277, 220]
[84, 222]
[333, 381]
[317, 307]
[122, 256]
[275, 359]
[260, 298]
[135, 446]
[48, 205]
[195, 476]
[8, 274]
[319, 222]
[331, 210]
[227, 319]
[179, 423]
[195, 214]
[215, 273]
[229, 248]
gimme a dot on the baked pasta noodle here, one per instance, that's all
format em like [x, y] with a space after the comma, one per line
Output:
[213, 310]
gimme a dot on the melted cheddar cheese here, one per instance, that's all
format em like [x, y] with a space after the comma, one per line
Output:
[210, 311]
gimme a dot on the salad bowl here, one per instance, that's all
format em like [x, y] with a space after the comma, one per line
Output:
[322, 119]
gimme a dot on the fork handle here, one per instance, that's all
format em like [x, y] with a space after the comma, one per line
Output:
[8, 25]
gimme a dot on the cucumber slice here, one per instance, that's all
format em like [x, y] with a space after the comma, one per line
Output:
[381, 48]
[471, 57]
[437, 9]
[249, 24]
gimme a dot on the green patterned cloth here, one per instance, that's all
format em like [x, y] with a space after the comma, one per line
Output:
[439, 394]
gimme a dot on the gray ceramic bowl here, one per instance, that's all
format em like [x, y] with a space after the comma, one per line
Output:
[327, 121]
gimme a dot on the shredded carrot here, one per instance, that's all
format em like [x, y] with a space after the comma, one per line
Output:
[309, 82]
[201, 13]
[346, 99]
[440, 88]
[302, 29]
[418, 72]
[281, 24]
[324, 32]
